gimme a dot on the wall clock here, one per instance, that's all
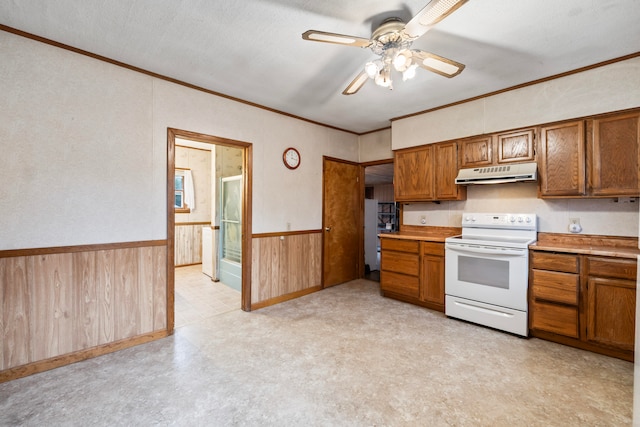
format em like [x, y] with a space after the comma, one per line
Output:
[291, 158]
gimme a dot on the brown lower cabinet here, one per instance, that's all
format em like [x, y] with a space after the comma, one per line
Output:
[584, 301]
[413, 271]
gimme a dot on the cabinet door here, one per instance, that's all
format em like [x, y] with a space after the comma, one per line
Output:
[562, 160]
[614, 156]
[516, 146]
[476, 152]
[611, 312]
[413, 180]
[445, 171]
[432, 280]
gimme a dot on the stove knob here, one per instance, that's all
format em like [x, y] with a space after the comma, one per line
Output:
[468, 219]
[512, 219]
[519, 219]
[528, 219]
[473, 219]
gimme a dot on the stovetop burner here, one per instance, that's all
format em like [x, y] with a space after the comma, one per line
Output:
[497, 229]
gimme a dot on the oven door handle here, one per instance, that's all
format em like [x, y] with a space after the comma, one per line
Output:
[487, 251]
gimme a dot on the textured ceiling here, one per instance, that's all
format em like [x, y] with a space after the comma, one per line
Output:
[253, 50]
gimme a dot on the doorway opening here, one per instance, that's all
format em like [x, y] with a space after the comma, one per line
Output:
[380, 213]
[208, 226]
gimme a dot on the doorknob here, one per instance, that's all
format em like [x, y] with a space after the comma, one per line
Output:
[327, 229]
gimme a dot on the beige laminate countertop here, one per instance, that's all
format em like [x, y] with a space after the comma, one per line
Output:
[618, 252]
[425, 234]
[618, 247]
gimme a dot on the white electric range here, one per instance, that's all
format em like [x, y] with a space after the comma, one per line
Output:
[487, 270]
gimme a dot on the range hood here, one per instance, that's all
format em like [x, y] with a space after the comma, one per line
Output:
[498, 174]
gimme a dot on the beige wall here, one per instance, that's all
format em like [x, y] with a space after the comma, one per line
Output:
[85, 146]
[375, 146]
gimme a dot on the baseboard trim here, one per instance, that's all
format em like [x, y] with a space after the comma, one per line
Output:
[69, 358]
[283, 298]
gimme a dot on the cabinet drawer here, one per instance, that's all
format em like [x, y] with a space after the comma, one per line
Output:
[558, 319]
[400, 262]
[431, 248]
[556, 262]
[555, 286]
[399, 284]
[399, 245]
[612, 267]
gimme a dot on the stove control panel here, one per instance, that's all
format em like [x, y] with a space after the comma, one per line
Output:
[500, 220]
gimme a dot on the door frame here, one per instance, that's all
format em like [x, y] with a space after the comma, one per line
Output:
[360, 216]
[247, 173]
[363, 166]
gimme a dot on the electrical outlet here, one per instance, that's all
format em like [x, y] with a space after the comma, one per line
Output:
[423, 219]
[574, 225]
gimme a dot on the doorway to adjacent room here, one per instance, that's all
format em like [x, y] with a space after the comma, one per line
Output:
[209, 226]
[380, 212]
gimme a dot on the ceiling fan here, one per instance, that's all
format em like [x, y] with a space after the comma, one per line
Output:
[392, 41]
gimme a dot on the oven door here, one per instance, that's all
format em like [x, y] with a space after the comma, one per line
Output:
[493, 275]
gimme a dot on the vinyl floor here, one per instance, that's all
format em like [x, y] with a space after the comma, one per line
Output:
[343, 356]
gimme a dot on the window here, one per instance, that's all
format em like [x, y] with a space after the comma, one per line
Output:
[179, 200]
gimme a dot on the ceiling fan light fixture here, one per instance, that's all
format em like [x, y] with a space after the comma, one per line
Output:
[383, 79]
[391, 41]
[372, 68]
[409, 73]
[403, 60]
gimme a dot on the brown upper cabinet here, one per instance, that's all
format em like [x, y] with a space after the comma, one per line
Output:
[591, 158]
[413, 174]
[427, 173]
[614, 166]
[562, 160]
[517, 146]
[500, 148]
[476, 152]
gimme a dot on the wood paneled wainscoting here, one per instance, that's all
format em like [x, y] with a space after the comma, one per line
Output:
[284, 266]
[62, 305]
[188, 243]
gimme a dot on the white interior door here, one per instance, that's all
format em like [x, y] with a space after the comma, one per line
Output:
[230, 253]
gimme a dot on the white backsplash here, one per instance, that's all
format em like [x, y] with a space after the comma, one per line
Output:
[597, 216]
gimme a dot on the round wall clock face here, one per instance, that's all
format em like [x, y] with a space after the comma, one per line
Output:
[291, 158]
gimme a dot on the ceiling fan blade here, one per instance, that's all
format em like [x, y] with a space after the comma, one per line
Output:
[356, 83]
[321, 36]
[430, 15]
[437, 64]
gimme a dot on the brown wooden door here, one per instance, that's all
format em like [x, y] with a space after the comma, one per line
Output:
[562, 160]
[342, 222]
[615, 167]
